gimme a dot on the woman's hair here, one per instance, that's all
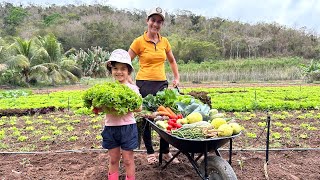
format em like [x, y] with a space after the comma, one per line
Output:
[113, 63]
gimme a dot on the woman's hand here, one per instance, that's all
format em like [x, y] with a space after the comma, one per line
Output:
[175, 82]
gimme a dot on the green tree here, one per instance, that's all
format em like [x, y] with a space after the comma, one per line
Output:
[13, 18]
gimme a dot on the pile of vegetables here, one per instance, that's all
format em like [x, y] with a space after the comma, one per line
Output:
[187, 117]
[112, 98]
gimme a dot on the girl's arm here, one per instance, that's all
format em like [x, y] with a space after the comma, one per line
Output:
[139, 109]
[174, 68]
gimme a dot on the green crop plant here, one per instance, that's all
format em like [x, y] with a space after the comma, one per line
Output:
[69, 128]
[301, 116]
[305, 125]
[28, 122]
[3, 146]
[22, 138]
[73, 138]
[251, 135]
[279, 116]
[37, 132]
[67, 116]
[45, 121]
[61, 121]
[98, 137]
[87, 132]
[94, 120]
[2, 134]
[13, 122]
[16, 133]
[29, 128]
[45, 138]
[241, 163]
[237, 115]
[311, 128]
[262, 124]
[278, 124]
[285, 113]
[276, 135]
[76, 121]
[2, 122]
[28, 148]
[96, 126]
[57, 132]
[53, 128]
[25, 162]
[276, 145]
[303, 136]
[308, 115]
[286, 129]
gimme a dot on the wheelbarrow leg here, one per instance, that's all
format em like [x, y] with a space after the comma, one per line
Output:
[230, 151]
[167, 163]
[206, 162]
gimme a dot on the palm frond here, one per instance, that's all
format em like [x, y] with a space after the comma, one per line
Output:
[39, 69]
[18, 61]
[56, 77]
[52, 46]
[69, 76]
[40, 56]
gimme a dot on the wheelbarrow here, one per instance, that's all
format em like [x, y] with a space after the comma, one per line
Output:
[211, 167]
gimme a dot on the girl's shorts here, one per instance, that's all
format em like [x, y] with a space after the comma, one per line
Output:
[125, 137]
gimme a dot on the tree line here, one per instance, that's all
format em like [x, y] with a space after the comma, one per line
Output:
[193, 37]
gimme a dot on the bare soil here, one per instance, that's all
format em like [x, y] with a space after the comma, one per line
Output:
[93, 165]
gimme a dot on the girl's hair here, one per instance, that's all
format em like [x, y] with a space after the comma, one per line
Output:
[113, 63]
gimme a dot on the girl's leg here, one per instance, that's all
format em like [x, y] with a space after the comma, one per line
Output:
[128, 160]
[114, 159]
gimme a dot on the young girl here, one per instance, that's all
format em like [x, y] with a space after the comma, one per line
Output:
[120, 132]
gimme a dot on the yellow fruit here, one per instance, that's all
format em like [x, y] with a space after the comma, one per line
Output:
[182, 121]
[217, 122]
[236, 128]
[226, 130]
[219, 115]
[194, 117]
[213, 112]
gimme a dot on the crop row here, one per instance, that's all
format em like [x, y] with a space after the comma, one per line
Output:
[223, 99]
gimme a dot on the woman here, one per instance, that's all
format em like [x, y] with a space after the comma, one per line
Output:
[153, 50]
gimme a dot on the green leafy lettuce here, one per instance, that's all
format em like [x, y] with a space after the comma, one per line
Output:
[112, 98]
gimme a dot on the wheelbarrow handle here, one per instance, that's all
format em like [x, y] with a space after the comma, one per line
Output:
[178, 89]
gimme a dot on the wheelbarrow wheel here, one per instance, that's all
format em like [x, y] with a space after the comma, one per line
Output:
[218, 169]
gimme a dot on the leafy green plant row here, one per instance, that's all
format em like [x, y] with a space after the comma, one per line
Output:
[226, 99]
[263, 98]
[61, 99]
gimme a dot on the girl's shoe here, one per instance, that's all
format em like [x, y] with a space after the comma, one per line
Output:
[113, 176]
[130, 178]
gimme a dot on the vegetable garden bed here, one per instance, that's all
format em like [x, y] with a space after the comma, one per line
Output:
[294, 143]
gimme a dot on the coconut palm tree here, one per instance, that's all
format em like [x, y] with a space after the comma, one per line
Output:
[41, 60]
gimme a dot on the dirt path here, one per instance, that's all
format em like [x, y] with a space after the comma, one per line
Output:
[285, 165]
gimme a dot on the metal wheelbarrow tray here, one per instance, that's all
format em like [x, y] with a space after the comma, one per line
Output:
[211, 167]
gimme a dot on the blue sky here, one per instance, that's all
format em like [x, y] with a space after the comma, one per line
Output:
[291, 13]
